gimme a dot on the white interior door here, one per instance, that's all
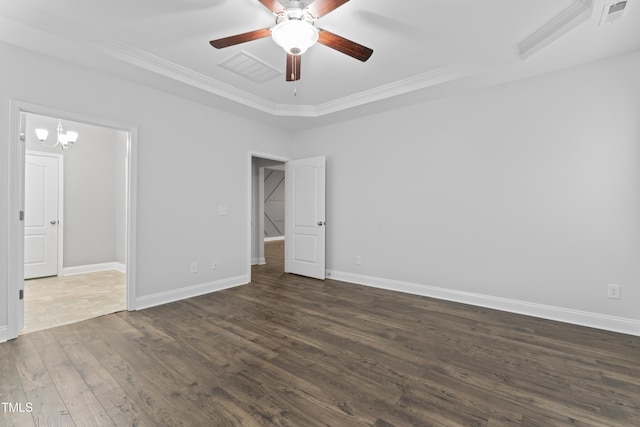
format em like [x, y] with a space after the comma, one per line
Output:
[305, 217]
[41, 219]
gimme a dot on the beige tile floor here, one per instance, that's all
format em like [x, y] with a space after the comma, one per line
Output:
[56, 301]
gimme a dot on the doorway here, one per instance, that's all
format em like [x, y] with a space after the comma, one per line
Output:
[304, 205]
[74, 258]
[267, 204]
[74, 225]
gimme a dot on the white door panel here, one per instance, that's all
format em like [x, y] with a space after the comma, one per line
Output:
[41, 216]
[306, 248]
[305, 221]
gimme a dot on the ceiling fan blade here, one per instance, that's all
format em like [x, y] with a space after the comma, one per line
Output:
[240, 38]
[273, 5]
[343, 45]
[319, 8]
[293, 67]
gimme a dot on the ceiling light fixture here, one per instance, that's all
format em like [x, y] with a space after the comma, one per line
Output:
[66, 139]
[295, 36]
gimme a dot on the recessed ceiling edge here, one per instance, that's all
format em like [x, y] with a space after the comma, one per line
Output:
[578, 12]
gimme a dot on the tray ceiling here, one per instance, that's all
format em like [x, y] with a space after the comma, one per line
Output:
[422, 47]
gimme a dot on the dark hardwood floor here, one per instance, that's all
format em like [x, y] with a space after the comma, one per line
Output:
[292, 351]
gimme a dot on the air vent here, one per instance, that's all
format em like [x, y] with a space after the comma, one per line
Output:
[613, 11]
[250, 67]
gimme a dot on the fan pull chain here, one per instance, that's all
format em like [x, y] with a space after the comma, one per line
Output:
[293, 75]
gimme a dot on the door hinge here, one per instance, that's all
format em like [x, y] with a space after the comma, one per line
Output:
[21, 215]
[21, 294]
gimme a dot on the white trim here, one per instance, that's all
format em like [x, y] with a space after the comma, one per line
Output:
[131, 215]
[560, 314]
[60, 213]
[189, 292]
[94, 268]
[3, 334]
[577, 13]
[15, 233]
[273, 239]
[260, 231]
[258, 261]
[15, 241]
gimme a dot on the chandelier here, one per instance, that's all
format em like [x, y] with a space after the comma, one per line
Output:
[66, 139]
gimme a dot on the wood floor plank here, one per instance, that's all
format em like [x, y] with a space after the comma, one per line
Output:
[122, 410]
[81, 403]
[293, 351]
[12, 392]
[152, 402]
[48, 406]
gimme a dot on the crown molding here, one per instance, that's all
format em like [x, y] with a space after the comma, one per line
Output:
[421, 81]
[578, 12]
[108, 46]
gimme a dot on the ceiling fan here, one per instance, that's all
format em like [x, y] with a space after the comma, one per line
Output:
[295, 32]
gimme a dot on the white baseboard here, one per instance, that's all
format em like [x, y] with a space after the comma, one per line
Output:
[258, 261]
[189, 292]
[273, 239]
[121, 267]
[560, 314]
[93, 268]
[4, 333]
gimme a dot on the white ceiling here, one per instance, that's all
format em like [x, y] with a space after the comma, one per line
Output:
[422, 48]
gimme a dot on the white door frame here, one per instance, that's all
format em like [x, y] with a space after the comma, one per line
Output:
[266, 156]
[15, 241]
[260, 232]
[60, 213]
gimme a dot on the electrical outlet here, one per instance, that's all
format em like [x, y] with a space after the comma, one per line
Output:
[214, 264]
[613, 291]
[194, 267]
[358, 260]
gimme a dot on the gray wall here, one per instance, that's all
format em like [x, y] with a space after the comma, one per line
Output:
[94, 190]
[120, 203]
[529, 192]
[184, 171]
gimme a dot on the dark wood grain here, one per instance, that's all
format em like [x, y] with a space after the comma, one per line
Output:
[292, 351]
[319, 8]
[346, 46]
[240, 38]
[273, 5]
[294, 62]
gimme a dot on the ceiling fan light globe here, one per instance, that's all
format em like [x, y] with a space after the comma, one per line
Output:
[295, 36]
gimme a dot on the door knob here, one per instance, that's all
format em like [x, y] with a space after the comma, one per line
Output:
[54, 222]
[321, 223]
